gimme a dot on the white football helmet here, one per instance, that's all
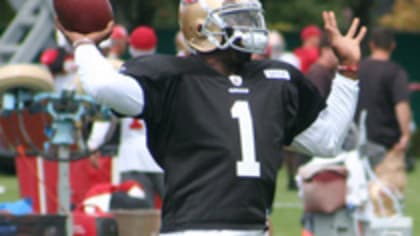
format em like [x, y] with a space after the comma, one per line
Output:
[221, 24]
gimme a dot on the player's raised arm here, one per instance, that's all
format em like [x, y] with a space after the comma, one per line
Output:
[326, 135]
[99, 78]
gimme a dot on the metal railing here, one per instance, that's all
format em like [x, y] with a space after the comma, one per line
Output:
[28, 33]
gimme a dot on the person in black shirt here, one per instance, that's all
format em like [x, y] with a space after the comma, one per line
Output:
[217, 121]
[322, 72]
[384, 94]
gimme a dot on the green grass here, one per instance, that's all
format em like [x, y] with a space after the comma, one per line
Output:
[287, 212]
[11, 186]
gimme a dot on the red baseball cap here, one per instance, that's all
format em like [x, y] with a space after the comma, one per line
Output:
[119, 32]
[49, 56]
[310, 31]
[143, 38]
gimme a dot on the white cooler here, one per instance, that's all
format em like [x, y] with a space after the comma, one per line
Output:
[394, 226]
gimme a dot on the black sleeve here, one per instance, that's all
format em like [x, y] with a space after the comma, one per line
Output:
[400, 90]
[157, 84]
[303, 103]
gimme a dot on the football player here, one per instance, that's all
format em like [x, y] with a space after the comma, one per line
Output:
[217, 121]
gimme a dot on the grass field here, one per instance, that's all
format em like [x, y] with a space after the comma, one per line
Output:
[287, 210]
[11, 188]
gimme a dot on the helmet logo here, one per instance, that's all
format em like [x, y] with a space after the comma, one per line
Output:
[187, 2]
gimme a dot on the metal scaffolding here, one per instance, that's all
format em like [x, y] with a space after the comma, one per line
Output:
[28, 33]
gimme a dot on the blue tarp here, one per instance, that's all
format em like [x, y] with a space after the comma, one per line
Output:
[19, 208]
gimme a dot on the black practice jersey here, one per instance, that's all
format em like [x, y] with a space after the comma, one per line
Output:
[219, 138]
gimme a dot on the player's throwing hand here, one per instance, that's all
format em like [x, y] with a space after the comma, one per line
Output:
[94, 37]
[347, 47]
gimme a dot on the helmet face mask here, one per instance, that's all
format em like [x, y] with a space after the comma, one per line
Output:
[239, 25]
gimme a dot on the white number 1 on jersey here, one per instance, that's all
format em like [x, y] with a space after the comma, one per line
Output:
[249, 166]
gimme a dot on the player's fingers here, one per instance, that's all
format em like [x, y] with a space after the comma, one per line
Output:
[108, 30]
[353, 28]
[58, 24]
[326, 19]
[110, 25]
[329, 25]
[333, 19]
[330, 30]
[101, 35]
[362, 34]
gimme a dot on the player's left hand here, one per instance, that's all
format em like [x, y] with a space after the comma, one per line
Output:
[347, 47]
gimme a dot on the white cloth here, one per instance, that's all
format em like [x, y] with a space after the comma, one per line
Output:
[98, 134]
[133, 154]
[217, 233]
[290, 58]
[357, 181]
[323, 138]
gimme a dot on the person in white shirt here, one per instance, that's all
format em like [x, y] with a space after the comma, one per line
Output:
[134, 159]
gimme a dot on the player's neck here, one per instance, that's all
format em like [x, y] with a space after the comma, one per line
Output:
[226, 62]
[380, 55]
[218, 65]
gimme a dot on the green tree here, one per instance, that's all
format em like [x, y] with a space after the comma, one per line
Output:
[290, 14]
[133, 12]
[6, 14]
[363, 10]
[404, 16]
[295, 14]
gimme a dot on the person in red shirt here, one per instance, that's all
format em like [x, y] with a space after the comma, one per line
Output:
[308, 54]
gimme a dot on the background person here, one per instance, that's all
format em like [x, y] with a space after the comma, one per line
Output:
[143, 41]
[308, 53]
[384, 94]
[134, 159]
[62, 66]
[323, 71]
[277, 48]
[116, 45]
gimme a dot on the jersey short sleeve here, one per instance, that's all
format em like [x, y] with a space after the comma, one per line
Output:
[303, 105]
[400, 91]
[156, 75]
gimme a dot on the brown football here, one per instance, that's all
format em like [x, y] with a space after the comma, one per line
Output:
[83, 16]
